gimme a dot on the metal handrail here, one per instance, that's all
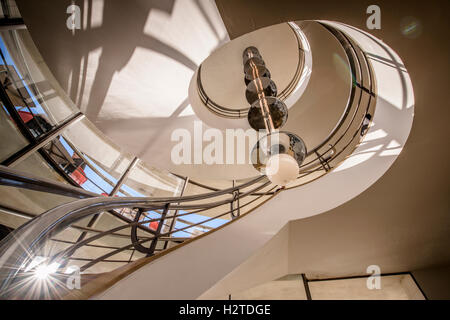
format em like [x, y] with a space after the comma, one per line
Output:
[43, 228]
[25, 180]
[324, 160]
[16, 178]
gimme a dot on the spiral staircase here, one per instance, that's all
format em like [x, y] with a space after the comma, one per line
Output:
[95, 213]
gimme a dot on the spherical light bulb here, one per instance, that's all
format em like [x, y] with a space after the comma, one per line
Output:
[282, 169]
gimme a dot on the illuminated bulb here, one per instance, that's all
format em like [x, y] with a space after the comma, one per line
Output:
[282, 169]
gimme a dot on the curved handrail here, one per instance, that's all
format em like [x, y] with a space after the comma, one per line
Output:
[24, 244]
[348, 132]
[25, 180]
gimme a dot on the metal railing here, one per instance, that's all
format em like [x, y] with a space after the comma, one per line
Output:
[349, 130]
[40, 237]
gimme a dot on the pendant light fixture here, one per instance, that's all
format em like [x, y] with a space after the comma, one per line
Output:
[278, 154]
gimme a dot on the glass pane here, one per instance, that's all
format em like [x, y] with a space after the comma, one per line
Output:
[30, 86]
[9, 9]
[77, 167]
[33, 202]
[36, 165]
[88, 158]
[144, 181]
[12, 140]
[97, 148]
[10, 220]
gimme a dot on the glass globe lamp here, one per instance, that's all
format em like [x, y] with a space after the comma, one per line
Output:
[279, 155]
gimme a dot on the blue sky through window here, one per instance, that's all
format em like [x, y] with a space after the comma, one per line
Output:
[10, 62]
[124, 187]
[195, 218]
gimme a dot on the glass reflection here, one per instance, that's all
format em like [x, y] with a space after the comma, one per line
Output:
[24, 82]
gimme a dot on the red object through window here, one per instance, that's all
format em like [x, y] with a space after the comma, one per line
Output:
[154, 225]
[78, 176]
[25, 116]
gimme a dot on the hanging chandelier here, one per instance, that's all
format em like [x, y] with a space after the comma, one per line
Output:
[278, 154]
